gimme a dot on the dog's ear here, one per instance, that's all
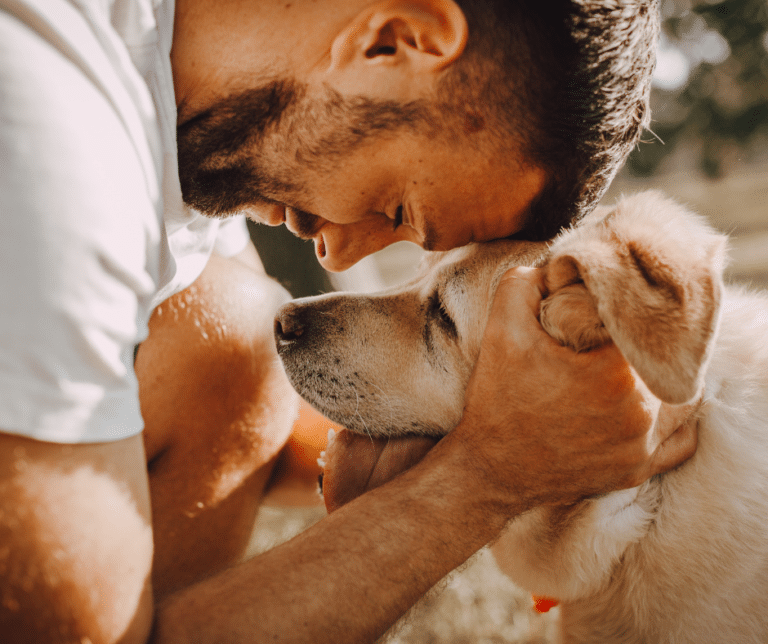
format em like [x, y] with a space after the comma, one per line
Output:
[653, 272]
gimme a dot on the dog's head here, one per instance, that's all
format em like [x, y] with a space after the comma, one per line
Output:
[646, 274]
[397, 362]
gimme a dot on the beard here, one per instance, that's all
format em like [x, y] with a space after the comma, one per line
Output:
[264, 144]
[222, 167]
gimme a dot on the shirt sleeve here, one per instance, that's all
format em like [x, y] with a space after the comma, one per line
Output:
[232, 236]
[78, 222]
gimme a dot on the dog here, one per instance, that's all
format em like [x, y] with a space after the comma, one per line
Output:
[681, 558]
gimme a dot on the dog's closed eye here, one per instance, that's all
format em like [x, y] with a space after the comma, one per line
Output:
[437, 311]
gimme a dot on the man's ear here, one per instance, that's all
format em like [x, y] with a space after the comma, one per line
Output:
[411, 36]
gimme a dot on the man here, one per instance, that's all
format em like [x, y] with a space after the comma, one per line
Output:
[356, 123]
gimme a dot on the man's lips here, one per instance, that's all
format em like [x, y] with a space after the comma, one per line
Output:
[355, 464]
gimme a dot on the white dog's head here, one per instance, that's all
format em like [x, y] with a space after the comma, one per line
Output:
[646, 274]
[397, 362]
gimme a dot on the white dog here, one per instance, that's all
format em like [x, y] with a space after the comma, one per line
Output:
[681, 558]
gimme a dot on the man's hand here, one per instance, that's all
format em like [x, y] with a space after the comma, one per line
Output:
[355, 464]
[549, 425]
[558, 426]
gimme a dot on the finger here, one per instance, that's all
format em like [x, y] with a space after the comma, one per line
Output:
[399, 454]
[356, 464]
[521, 285]
[671, 417]
[515, 309]
[350, 460]
[514, 317]
[677, 448]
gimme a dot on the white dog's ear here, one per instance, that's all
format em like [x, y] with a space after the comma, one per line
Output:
[651, 272]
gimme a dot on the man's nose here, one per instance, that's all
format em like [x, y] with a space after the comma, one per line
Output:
[340, 246]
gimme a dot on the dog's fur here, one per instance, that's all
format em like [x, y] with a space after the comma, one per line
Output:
[681, 558]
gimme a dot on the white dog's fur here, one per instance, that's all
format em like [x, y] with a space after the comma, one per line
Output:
[681, 558]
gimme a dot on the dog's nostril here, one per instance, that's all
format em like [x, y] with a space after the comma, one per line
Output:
[288, 327]
[292, 335]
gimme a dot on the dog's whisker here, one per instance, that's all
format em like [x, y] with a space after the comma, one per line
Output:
[388, 402]
[359, 415]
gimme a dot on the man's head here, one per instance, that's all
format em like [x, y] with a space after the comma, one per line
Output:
[426, 120]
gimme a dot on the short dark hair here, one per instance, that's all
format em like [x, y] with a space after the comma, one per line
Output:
[557, 84]
[564, 84]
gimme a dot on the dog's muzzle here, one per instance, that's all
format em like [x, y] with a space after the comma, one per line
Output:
[291, 323]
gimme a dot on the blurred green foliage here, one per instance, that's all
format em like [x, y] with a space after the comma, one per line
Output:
[711, 88]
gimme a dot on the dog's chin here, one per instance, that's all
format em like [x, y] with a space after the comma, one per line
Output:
[369, 419]
[376, 429]
[355, 464]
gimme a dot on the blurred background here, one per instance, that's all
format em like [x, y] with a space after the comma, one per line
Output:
[709, 140]
[708, 147]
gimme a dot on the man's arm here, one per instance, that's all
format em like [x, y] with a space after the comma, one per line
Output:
[77, 552]
[76, 520]
[75, 542]
[542, 425]
[349, 577]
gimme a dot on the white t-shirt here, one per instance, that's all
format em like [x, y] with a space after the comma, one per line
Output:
[94, 232]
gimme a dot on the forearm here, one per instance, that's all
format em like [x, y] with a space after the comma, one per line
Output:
[348, 578]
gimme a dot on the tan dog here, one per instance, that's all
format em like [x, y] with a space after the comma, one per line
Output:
[681, 558]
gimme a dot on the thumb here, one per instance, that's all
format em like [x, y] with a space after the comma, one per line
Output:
[516, 303]
[677, 448]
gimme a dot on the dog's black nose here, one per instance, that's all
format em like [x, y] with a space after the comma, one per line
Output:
[290, 324]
